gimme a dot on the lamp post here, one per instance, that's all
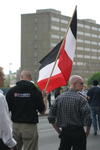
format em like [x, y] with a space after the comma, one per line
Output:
[10, 73]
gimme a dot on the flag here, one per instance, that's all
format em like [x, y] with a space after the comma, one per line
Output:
[63, 67]
[47, 63]
[68, 47]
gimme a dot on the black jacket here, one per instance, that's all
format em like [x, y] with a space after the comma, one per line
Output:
[25, 101]
[94, 95]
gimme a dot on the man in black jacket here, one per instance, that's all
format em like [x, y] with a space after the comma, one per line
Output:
[93, 96]
[25, 101]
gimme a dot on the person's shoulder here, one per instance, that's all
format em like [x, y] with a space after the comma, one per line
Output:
[1, 95]
[82, 99]
[11, 89]
[34, 87]
[62, 95]
[80, 95]
[2, 98]
[72, 93]
[91, 89]
[23, 84]
[98, 87]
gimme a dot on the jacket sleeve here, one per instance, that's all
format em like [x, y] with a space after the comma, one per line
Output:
[39, 102]
[9, 99]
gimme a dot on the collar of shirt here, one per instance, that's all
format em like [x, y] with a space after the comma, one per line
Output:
[73, 90]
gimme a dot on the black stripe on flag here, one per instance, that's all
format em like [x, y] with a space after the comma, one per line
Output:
[73, 24]
[51, 56]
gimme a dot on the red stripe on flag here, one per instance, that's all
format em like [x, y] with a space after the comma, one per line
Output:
[55, 82]
[65, 63]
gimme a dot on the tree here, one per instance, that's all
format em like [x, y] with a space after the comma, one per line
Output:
[95, 76]
[6, 83]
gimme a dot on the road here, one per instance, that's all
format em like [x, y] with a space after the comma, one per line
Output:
[48, 139]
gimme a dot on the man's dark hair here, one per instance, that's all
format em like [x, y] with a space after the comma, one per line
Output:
[95, 82]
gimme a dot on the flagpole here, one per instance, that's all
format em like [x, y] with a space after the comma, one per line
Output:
[59, 51]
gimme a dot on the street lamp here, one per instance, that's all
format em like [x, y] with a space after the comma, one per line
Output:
[10, 73]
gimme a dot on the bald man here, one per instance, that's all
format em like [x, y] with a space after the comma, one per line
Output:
[26, 75]
[69, 115]
[25, 101]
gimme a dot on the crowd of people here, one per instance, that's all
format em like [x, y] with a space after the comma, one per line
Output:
[71, 114]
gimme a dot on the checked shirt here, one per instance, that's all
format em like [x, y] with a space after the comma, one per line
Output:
[70, 109]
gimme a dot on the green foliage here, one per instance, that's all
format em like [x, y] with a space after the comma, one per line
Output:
[6, 83]
[95, 76]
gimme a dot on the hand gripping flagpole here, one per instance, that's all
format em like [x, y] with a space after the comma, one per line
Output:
[59, 52]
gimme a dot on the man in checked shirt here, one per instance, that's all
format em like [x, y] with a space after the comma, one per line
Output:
[71, 117]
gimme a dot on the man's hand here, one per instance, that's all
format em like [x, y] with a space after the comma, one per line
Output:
[87, 130]
[44, 94]
[58, 130]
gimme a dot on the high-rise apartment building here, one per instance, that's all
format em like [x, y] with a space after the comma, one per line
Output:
[41, 31]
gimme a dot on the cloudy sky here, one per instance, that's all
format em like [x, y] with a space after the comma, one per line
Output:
[10, 23]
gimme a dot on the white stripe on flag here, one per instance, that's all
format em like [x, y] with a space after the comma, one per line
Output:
[46, 71]
[70, 44]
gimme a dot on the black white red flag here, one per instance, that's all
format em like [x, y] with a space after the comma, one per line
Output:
[67, 50]
[63, 67]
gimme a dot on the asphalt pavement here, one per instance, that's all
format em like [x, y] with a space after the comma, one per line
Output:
[48, 138]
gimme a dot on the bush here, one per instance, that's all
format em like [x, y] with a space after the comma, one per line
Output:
[95, 76]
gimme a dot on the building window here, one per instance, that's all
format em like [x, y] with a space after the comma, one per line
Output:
[35, 20]
[86, 41]
[35, 37]
[53, 45]
[94, 35]
[86, 56]
[62, 37]
[64, 29]
[35, 46]
[94, 50]
[54, 19]
[64, 21]
[54, 36]
[87, 26]
[94, 43]
[55, 28]
[80, 25]
[94, 28]
[35, 28]
[87, 34]
[87, 49]
[80, 48]
[79, 40]
[80, 33]
[93, 57]
[35, 54]
[80, 63]
[79, 56]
